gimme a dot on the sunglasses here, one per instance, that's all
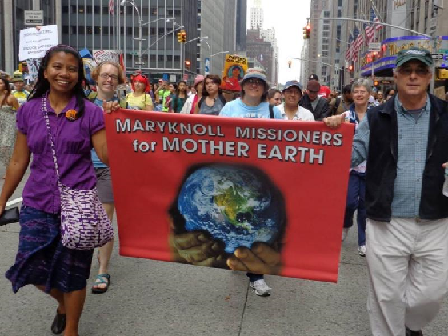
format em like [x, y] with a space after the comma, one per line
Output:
[254, 81]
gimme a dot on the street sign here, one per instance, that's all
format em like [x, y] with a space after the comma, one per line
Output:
[375, 46]
[437, 56]
[207, 66]
[34, 17]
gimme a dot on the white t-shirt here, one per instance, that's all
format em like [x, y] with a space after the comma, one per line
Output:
[302, 113]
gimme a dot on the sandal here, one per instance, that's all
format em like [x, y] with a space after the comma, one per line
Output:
[101, 279]
[58, 325]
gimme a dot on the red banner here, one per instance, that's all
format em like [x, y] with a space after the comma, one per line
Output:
[267, 196]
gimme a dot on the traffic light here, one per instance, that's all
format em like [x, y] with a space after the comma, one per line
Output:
[304, 33]
[179, 37]
[308, 30]
[289, 64]
[187, 64]
[184, 36]
[350, 68]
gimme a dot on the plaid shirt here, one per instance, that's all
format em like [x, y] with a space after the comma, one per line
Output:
[412, 144]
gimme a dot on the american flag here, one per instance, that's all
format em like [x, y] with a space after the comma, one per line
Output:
[370, 30]
[348, 53]
[111, 7]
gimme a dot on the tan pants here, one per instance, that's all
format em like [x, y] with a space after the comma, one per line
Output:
[408, 269]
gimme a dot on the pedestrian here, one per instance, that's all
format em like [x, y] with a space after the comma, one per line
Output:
[290, 109]
[318, 106]
[108, 75]
[19, 93]
[252, 104]
[405, 143]
[172, 89]
[179, 98]
[162, 95]
[274, 97]
[212, 100]
[139, 99]
[343, 103]
[76, 125]
[192, 101]
[8, 108]
[380, 98]
[356, 194]
[389, 93]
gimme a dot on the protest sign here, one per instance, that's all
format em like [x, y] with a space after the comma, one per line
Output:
[193, 189]
[234, 69]
[34, 42]
[105, 55]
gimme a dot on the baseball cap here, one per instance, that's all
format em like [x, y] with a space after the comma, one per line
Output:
[313, 77]
[255, 73]
[17, 77]
[292, 83]
[324, 91]
[414, 53]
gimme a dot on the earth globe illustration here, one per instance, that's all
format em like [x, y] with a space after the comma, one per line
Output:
[238, 205]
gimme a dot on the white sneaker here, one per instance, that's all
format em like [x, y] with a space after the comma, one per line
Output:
[362, 250]
[261, 288]
[345, 233]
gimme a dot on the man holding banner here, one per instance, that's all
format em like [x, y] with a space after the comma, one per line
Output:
[405, 143]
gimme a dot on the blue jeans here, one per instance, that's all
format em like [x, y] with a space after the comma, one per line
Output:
[356, 199]
[254, 277]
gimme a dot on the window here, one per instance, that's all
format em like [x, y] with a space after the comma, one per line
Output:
[161, 58]
[65, 9]
[97, 30]
[81, 30]
[326, 14]
[65, 29]
[176, 58]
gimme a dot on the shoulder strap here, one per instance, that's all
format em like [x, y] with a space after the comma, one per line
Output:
[271, 111]
[50, 136]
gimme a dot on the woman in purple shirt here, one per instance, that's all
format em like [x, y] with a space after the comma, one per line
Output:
[76, 126]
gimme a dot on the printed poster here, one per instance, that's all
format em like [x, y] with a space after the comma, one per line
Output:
[259, 195]
[234, 69]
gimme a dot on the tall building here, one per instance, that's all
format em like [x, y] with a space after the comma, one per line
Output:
[263, 51]
[241, 15]
[93, 25]
[12, 20]
[218, 23]
[256, 15]
[269, 36]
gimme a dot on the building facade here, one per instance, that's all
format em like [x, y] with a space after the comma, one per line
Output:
[12, 20]
[93, 25]
[263, 51]
[218, 24]
[425, 17]
[256, 16]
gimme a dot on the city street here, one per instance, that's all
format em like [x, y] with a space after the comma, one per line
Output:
[157, 298]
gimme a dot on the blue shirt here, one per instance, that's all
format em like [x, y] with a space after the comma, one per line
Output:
[412, 144]
[97, 163]
[238, 109]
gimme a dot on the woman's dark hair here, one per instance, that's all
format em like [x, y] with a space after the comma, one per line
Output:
[215, 79]
[42, 85]
[272, 92]
[178, 85]
[7, 89]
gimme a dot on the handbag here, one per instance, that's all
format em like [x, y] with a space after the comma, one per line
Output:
[84, 222]
[9, 216]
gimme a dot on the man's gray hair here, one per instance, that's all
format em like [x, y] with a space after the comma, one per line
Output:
[366, 82]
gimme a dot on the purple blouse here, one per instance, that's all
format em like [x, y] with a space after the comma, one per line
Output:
[73, 142]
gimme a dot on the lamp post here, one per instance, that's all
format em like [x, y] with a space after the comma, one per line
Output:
[140, 31]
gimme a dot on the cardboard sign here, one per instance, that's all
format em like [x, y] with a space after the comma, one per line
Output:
[106, 55]
[214, 191]
[234, 69]
[34, 43]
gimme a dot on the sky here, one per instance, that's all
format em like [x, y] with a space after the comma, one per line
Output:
[287, 17]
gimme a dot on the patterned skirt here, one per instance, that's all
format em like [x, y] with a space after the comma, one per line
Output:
[8, 133]
[42, 260]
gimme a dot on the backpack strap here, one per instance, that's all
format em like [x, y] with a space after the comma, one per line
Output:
[271, 111]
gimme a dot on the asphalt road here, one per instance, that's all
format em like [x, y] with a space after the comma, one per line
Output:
[157, 298]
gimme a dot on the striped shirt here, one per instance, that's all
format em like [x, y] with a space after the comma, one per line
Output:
[412, 143]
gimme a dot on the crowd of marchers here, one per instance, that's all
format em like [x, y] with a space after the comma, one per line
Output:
[398, 167]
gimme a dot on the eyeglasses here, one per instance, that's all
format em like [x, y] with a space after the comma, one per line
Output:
[255, 81]
[106, 76]
[312, 91]
[409, 71]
